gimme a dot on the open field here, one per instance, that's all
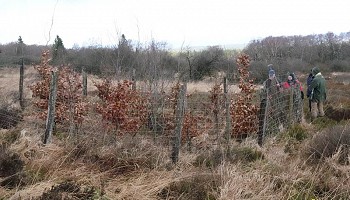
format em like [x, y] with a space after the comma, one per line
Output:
[305, 161]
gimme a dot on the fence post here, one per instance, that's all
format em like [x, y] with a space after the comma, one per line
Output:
[50, 121]
[21, 78]
[227, 108]
[228, 118]
[133, 79]
[263, 117]
[266, 111]
[180, 110]
[290, 102]
[84, 82]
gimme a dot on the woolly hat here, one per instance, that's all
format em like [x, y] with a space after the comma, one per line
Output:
[293, 76]
[271, 71]
[315, 71]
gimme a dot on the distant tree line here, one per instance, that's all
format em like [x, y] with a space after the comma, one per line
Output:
[329, 51]
[153, 60]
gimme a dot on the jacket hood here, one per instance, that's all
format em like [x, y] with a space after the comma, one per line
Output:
[315, 70]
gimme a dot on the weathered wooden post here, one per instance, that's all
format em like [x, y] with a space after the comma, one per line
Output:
[21, 78]
[290, 106]
[267, 107]
[216, 111]
[84, 81]
[133, 79]
[50, 121]
[227, 108]
[263, 117]
[179, 114]
[228, 127]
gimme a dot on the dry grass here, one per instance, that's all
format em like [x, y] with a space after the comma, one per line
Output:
[279, 175]
[138, 167]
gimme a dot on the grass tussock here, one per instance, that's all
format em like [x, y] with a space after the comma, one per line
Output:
[9, 117]
[337, 114]
[197, 187]
[131, 155]
[216, 157]
[71, 190]
[11, 169]
[329, 142]
[293, 138]
[324, 122]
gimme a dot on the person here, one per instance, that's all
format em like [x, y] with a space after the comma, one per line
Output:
[292, 81]
[318, 93]
[269, 111]
[272, 84]
[297, 96]
[308, 91]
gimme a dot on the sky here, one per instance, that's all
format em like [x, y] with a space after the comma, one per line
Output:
[179, 23]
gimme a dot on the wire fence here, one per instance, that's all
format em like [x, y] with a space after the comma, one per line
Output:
[280, 107]
[192, 120]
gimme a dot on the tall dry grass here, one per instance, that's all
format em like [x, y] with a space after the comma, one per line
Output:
[138, 167]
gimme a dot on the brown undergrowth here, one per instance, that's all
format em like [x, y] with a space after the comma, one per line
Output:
[307, 161]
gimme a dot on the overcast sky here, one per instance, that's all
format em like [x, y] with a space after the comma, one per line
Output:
[177, 22]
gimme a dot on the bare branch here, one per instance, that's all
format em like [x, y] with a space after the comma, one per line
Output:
[52, 19]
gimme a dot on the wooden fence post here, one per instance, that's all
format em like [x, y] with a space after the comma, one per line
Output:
[180, 111]
[290, 107]
[227, 108]
[133, 79]
[50, 121]
[263, 118]
[21, 78]
[266, 112]
[84, 82]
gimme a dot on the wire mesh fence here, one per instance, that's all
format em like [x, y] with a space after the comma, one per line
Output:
[280, 107]
[205, 120]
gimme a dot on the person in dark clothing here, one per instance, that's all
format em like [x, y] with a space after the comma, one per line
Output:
[270, 97]
[309, 90]
[318, 93]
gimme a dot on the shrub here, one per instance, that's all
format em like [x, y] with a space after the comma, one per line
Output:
[69, 101]
[121, 106]
[242, 110]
